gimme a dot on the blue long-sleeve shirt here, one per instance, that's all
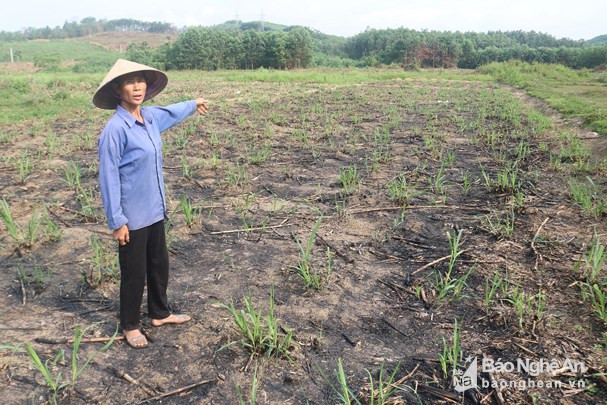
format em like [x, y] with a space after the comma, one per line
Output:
[130, 164]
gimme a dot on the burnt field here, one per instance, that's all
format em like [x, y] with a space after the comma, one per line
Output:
[325, 238]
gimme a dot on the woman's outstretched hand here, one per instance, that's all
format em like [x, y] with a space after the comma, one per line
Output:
[122, 235]
[201, 106]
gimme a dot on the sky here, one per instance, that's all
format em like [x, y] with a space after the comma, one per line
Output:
[581, 19]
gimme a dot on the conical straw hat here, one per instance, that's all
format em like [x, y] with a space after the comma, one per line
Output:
[106, 98]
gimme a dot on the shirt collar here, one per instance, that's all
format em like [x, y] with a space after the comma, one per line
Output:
[128, 117]
[146, 115]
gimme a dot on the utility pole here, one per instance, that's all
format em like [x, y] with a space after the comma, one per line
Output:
[12, 60]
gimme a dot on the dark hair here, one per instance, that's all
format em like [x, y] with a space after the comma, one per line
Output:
[119, 79]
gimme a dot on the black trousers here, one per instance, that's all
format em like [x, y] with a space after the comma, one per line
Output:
[145, 256]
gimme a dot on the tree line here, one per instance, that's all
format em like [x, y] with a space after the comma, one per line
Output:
[411, 48]
[87, 26]
[210, 49]
[250, 45]
[298, 47]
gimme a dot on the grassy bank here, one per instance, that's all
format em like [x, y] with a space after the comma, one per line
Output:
[43, 96]
[575, 93]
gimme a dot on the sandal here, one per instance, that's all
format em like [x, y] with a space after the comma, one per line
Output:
[137, 342]
[176, 319]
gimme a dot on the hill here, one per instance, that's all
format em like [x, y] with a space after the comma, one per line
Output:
[63, 50]
[237, 25]
[88, 53]
[120, 40]
[600, 40]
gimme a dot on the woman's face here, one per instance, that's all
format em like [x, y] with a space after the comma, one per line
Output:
[132, 89]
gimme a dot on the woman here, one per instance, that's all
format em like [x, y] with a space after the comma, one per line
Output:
[132, 188]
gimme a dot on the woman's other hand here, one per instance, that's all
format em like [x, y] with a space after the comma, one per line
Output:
[201, 106]
[122, 235]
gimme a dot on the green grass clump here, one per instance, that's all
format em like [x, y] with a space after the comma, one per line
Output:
[495, 290]
[350, 179]
[375, 392]
[399, 191]
[259, 334]
[86, 198]
[28, 235]
[446, 284]
[587, 197]
[451, 354]
[529, 309]
[37, 280]
[191, 213]
[9, 222]
[500, 226]
[236, 177]
[73, 174]
[594, 278]
[103, 264]
[307, 271]
[54, 380]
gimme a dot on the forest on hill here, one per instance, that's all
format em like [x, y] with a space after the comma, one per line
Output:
[250, 45]
[87, 26]
[296, 47]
